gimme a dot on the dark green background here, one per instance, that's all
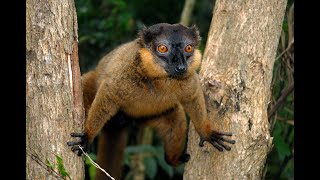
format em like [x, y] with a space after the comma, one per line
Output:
[105, 24]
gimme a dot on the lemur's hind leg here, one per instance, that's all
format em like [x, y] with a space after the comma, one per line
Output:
[172, 128]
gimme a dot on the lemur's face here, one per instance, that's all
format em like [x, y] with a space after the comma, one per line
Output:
[173, 47]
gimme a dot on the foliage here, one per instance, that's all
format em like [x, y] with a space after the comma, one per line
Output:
[104, 24]
[49, 165]
[153, 160]
[90, 167]
[62, 173]
[280, 160]
[61, 169]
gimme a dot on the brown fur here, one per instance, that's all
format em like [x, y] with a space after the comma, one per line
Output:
[129, 79]
[197, 61]
[172, 128]
[149, 66]
[111, 146]
[89, 88]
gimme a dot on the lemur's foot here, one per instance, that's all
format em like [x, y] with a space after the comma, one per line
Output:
[216, 139]
[184, 158]
[175, 161]
[75, 144]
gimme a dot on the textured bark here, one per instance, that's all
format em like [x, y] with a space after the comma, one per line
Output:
[187, 11]
[144, 136]
[54, 94]
[236, 74]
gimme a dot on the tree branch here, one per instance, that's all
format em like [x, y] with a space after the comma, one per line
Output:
[44, 165]
[284, 94]
[287, 49]
[186, 13]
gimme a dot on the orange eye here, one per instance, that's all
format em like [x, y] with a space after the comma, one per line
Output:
[188, 48]
[162, 48]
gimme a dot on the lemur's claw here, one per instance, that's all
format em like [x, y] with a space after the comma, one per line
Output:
[217, 139]
[75, 144]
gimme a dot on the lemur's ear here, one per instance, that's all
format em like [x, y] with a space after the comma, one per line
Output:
[196, 33]
[145, 35]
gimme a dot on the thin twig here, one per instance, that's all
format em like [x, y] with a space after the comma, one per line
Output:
[95, 164]
[288, 48]
[281, 99]
[44, 165]
[290, 16]
[187, 12]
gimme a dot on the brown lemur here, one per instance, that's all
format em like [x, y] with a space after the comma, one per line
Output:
[152, 80]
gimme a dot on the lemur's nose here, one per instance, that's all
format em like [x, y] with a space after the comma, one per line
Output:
[180, 69]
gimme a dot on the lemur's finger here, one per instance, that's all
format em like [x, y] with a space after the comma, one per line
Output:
[226, 140]
[215, 144]
[79, 152]
[77, 134]
[223, 133]
[72, 143]
[75, 148]
[228, 148]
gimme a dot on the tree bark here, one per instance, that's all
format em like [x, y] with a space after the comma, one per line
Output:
[236, 74]
[54, 94]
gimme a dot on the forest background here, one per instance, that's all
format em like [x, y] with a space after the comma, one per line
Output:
[105, 24]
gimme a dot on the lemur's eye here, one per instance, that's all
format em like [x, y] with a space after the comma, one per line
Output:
[188, 48]
[162, 48]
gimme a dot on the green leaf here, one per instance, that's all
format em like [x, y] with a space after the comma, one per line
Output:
[282, 147]
[61, 168]
[288, 172]
[150, 167]
[93, 156]
[49, 164]
[91, 167]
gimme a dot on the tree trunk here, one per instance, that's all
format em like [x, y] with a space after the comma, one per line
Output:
[187, 11]
[54, 94]
[236, 74]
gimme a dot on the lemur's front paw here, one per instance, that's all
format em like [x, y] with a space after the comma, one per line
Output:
[184, 158]
[75, 144]
[216, 139]
[176, 161]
